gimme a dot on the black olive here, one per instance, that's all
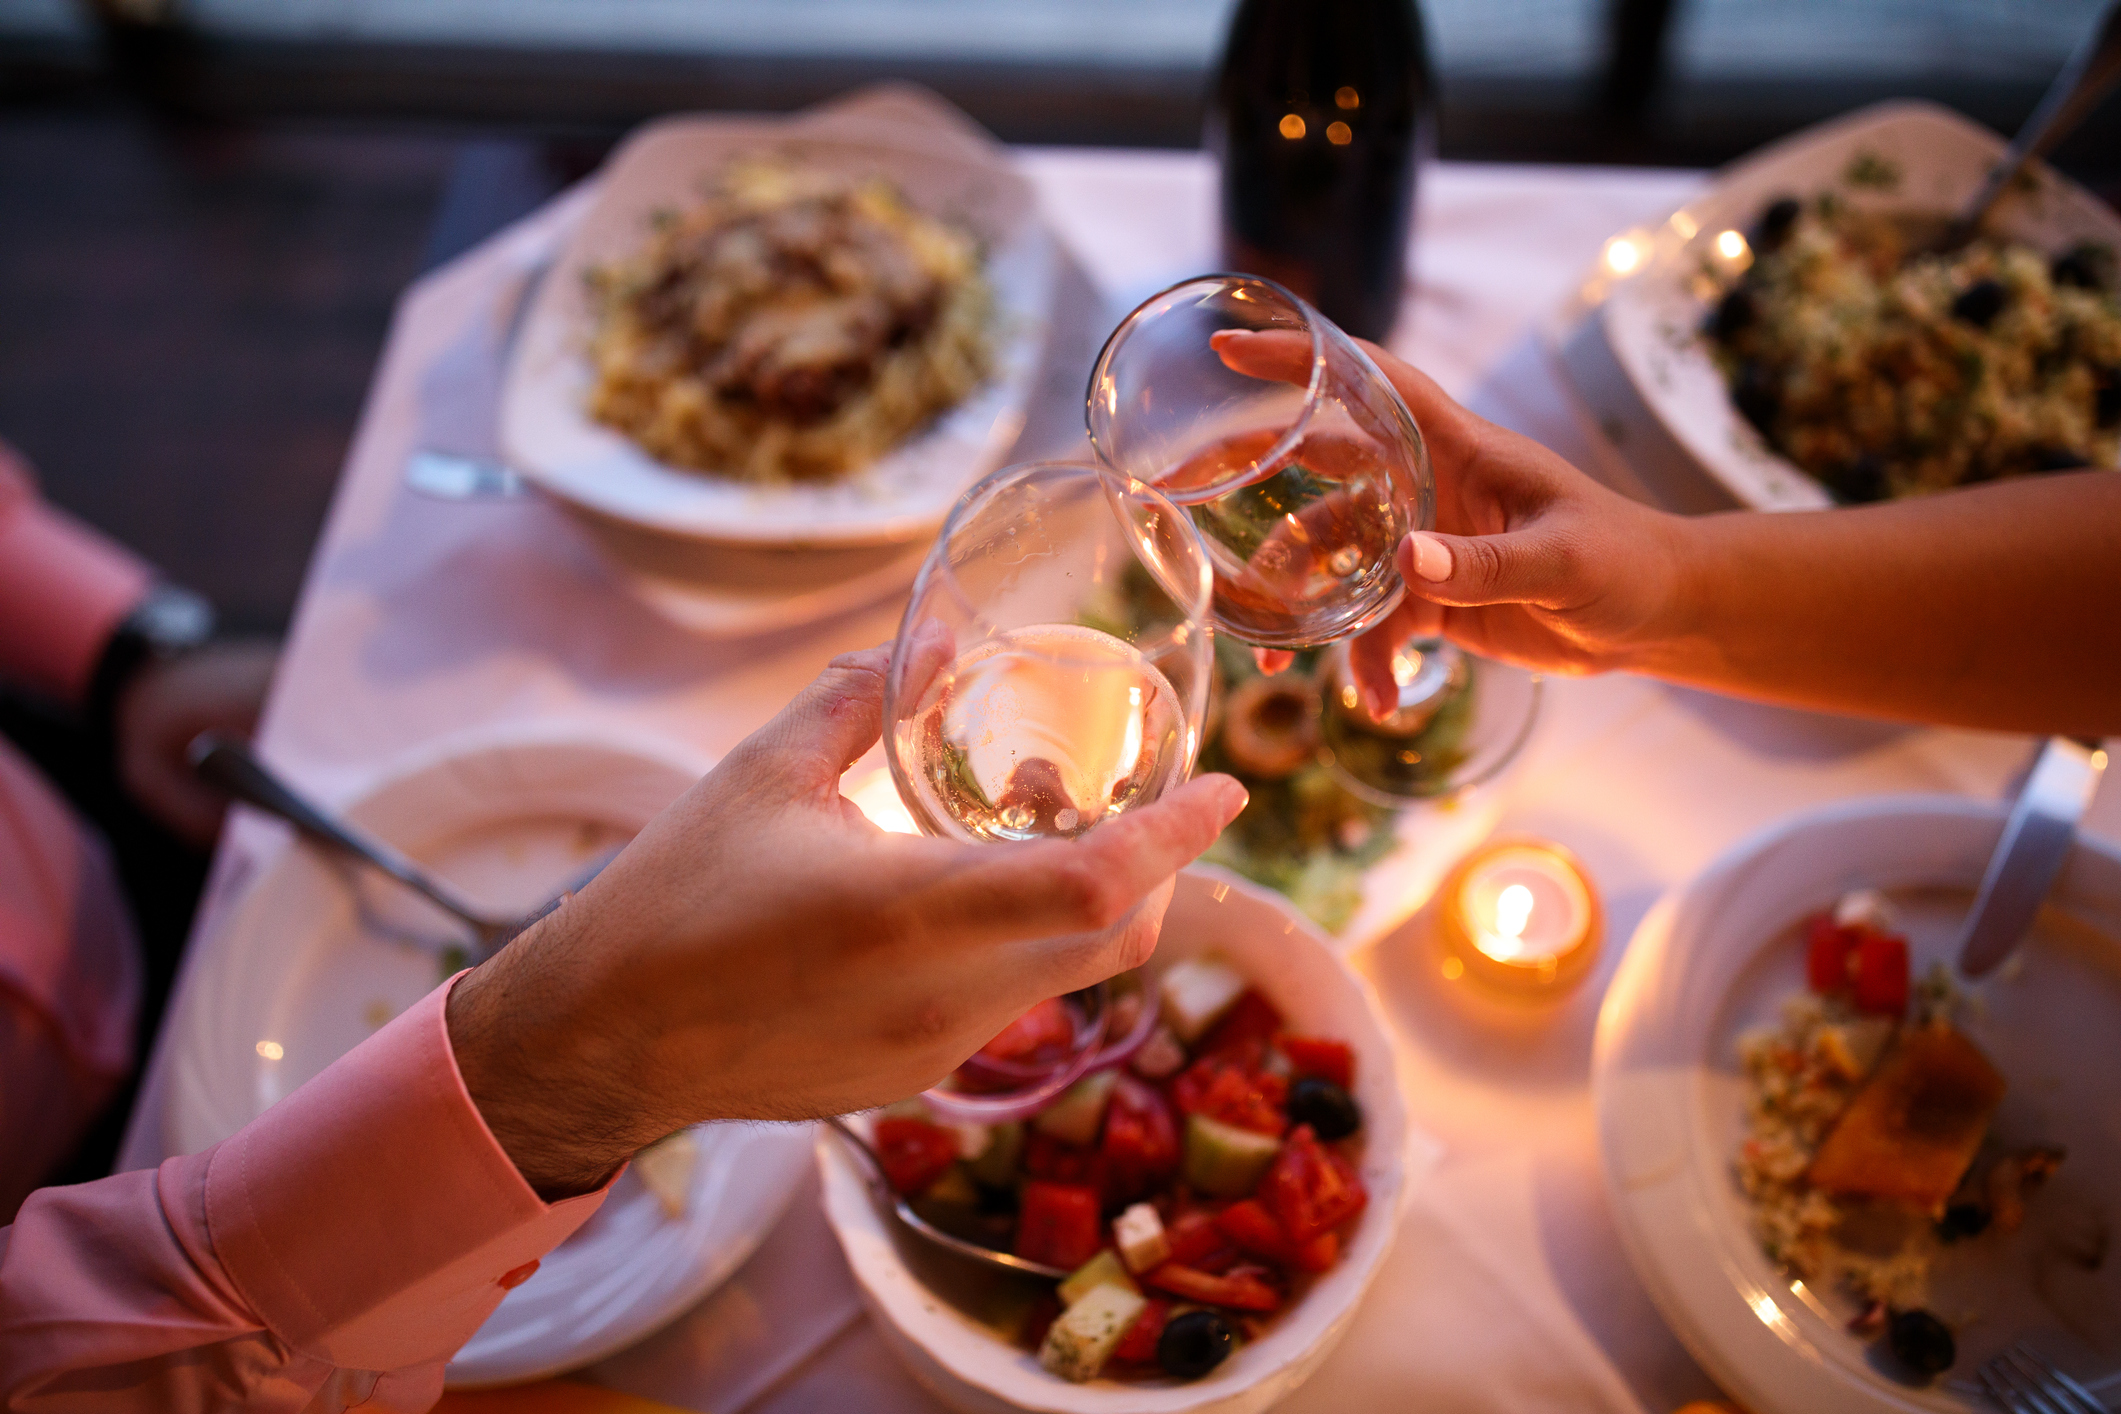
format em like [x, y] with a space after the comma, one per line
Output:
[1981, 302]
[1734, 312]
[1776, 222]
[1861, 480]
[1755, 396]
[1963, 1220]
[1330, 1111]
[2088, 267]
[1921, 1342]
[1195, 1342]
[2058, 459]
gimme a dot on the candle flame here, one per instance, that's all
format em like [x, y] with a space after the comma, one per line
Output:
[1513, 910]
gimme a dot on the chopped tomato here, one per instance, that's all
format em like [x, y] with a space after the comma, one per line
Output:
[1057, 1223]
[1222, 1091]
[1057, 1161]
[1140, 1147]
[914, 1152]
[1310, 1189]
[1047, 1027]
[1252, 1227]
[1193, 1236]
[1826, 954]
[1244, 1031]
[1878, 973]
[1138, 1345]
[1240, 1289]
[1316, 1056]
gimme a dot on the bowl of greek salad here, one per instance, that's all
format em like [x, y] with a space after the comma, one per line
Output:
[1220, 1201]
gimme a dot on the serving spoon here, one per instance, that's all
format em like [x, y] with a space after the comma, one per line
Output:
[889, 1200]
[232, 767]
[2093, 69]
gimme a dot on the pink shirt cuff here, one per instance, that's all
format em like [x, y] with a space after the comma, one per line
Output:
[63, 589]
[370, 1219]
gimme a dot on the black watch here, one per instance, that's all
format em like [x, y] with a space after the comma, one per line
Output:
[168, 622]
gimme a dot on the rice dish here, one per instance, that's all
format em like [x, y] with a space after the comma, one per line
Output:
[1885, 368]
[794, 325]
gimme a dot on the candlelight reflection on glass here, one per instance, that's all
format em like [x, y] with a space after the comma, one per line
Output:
[1521, 915]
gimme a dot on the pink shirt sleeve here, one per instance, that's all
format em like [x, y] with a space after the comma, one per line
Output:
[336, 1250]
[63, 589]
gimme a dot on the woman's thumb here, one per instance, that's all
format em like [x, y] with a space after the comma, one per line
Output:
[1516, 567]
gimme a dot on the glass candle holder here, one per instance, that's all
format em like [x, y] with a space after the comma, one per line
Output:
[1520, 915]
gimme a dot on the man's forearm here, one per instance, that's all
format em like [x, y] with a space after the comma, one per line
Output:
[1997, 607]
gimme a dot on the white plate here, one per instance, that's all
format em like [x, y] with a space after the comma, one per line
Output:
[1717, 956]
[945, 167]
[970, 1368]
[730, 591]
[1651, 322]
[313, 959]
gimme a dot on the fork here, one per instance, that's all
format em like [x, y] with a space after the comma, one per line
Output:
[2024, 1381]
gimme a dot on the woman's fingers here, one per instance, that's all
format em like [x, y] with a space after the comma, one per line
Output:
[1370, 655]
[1273, 660]
[1518, 567]
[1275, 355]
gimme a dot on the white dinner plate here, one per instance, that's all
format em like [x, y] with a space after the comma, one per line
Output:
[972, 1369]
[1716, 957]
[946, 167]
[318, 954]
[1638, 354]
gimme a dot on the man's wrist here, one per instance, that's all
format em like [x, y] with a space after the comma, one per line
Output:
[548, 1093]
[168, 622]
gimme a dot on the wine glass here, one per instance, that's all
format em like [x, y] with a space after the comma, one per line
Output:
[1050, 674]
[1302, 487]
[1456, 720]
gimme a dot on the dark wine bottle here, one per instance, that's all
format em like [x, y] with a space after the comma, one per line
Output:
[1323, 112]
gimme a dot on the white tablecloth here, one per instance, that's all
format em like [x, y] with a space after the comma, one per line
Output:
[422, 619]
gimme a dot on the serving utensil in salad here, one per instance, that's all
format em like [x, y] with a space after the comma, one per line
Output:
[2069, 100]
[2036, 839]
[889, 1200]
[234, 768]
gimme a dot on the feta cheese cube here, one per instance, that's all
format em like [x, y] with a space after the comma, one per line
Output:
[1197, 992]
[1079, 1343]
[1139, 1235]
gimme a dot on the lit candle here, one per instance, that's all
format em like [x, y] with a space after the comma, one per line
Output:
[1520, 914]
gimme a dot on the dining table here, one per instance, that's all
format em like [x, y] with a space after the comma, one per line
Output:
[422, 620]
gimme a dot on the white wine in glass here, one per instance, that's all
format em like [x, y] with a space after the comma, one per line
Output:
[1050, 674]
[1044, 731]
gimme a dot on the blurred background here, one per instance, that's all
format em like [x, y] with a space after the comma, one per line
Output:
[207, 207]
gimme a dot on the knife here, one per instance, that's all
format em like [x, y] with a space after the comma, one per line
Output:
[2036, 840]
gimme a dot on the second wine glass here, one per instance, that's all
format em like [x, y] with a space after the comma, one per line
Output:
[1302, 476]
[1050, 674]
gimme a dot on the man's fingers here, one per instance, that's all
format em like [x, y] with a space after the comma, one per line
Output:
[1065, 887]
[816, 737]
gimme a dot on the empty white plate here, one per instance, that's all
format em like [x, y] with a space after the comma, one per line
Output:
[318, 954]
